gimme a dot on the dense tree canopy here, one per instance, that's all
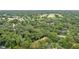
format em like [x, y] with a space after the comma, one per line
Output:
[39, 29]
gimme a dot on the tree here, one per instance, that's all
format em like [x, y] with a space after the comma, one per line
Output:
[53, 36]
[66, 42]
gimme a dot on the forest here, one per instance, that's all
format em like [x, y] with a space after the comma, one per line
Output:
[39, 29]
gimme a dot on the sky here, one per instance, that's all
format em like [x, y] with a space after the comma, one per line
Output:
[39, 5]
